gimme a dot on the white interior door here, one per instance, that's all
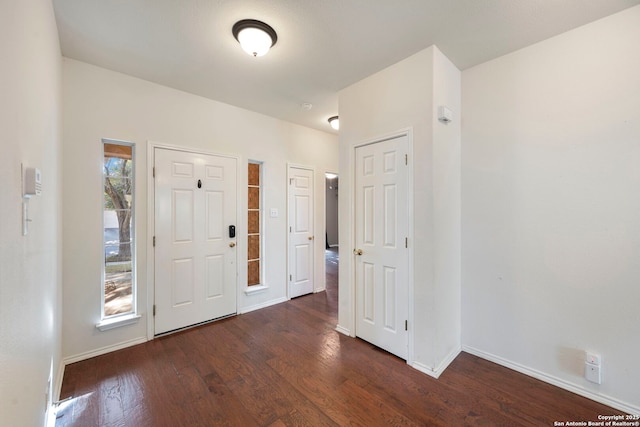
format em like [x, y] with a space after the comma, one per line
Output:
[381, 233]
[195, 258]
[301, 236]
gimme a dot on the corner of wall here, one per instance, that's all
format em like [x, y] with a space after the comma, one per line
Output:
[419, 84]
[446, 175]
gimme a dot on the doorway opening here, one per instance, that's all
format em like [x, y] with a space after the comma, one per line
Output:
[331, 232]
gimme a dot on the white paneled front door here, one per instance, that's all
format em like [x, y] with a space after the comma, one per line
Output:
[381, 255]
[301, 238]
[195, 258]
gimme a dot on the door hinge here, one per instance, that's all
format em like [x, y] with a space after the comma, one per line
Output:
[290, 229]
[290, 277]
[406, 324]
[406, 242]
[154, 171]
[406, 159]
[154, 309]
[154, 241]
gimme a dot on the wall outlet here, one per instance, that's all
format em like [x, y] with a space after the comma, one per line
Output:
[592, 367]
[592, 373]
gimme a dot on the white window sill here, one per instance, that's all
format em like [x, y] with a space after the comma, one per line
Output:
[255, 289]
[116, 322]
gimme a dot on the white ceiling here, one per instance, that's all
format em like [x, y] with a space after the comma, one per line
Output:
[323, 45]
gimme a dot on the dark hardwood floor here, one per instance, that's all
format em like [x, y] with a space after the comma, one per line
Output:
[286, 365]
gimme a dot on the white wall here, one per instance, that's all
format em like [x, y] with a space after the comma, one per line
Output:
[446, 172]
[551, 218]
[30, 269]
[103, 104]
[403, 96]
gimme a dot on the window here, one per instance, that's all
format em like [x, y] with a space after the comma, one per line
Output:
[118, 288]
[254, 227]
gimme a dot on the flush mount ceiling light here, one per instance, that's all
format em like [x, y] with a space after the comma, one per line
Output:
[334, 122]
[255, 37]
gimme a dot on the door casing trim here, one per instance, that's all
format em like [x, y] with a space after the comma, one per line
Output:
[315, 199]
[151, 205]
[408, 132]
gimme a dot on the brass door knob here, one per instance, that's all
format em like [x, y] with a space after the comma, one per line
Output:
[310, 237]
[357, 252]
[232, 244]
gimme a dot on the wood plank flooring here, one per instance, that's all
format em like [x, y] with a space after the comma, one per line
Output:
[286, 366]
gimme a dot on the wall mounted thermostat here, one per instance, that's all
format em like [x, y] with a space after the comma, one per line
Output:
[445, 115]
[31, 186]
[32, 182]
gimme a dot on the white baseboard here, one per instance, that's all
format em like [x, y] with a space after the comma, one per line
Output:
[343, 330]
[57, 386]
[56, 389]
[566, 385]
[104, 350]
[424, 369]
[444, 363]
[262, 305]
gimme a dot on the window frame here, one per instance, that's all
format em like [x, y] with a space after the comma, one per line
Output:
[120, 319]
[260, 223]
[261, 286]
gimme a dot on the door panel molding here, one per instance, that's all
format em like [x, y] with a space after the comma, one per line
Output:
[151, 222]
[400, 240]
[183, 245]
[301, 226]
